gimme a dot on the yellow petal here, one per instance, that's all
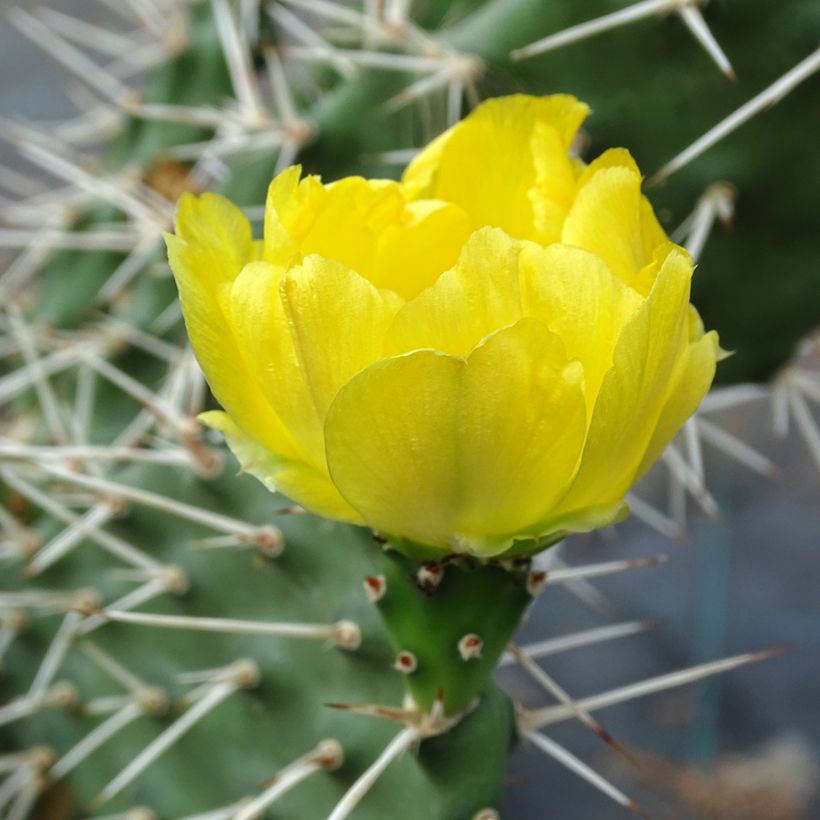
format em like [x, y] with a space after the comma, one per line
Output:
[475, 298]
[555, 183]
[611, 218]
[460, 454]
[366, 225]
[298, 481]
[487, 163]
[691, 382]
[261, 329]
[411, 254]
[582, 301]
[341, 221]
[521, 433]
[286, 199]
[212, 245]
[634, 390]
[338, 321]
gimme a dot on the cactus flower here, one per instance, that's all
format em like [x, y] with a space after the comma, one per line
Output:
[479, 358]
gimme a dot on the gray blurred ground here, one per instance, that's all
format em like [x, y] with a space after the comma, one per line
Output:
[748, 583]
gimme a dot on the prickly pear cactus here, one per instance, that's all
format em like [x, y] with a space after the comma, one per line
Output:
[177, 642]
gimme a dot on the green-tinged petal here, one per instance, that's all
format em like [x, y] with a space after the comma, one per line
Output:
[486, 164]
[308, 487]
[467, 303]
[689, 385]
[460, 454]
[337, 321]
[212, 245]
[611, 218]
[634, 390]
[546, 532]
[582, 301]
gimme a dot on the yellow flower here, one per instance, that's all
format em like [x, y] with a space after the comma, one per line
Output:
[490, 351]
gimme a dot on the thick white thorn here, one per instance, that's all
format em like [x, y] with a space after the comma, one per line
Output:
[237, 58]
[180, 509]
[571, 762]
[114, 545]
[209, 701]
[345, 634]
[56, 652]
[67, 540]
[42, 387]
[326, 756]
[805, 423]
[717, 202]
[112, 667]
[164, 580]
[561, 575]
[72, 58]
[693, 19]
[766, 98]
[305, 34]
[538, 718]
[400, 743]
[551, 686]
[552, 646]
[735, 448]
[96, 738]
[61, 695]
[637, 11]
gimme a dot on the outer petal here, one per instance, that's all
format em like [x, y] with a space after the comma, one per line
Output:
[295, 479]
[634, 391]
[582, 301]
[611, 217]
[211, 246]
[486, 164]
[460, 454]
[338, 321]
[260, 326]
[475, 298]
[690, 384]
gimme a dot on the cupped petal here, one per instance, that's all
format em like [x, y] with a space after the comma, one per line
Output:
[579, 298]
[487, 163]
[610, 217]
[635, 389]
[338, 321]
[521, 433]
[427, 240]
[366, 225]
[260, 327]
[341, 221]
[298, 481]
[211, 246]
[691, 382]
[460, 454]
[468, 302]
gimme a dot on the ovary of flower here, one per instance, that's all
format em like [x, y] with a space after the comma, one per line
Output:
[479, 358]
